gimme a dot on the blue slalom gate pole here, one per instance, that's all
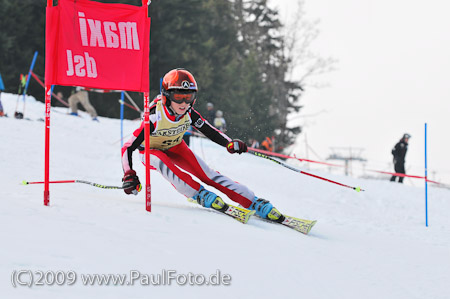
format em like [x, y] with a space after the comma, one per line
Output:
[2, 86]
[426, 179]
[121, 118]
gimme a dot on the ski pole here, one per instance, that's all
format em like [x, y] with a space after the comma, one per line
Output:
[357, 189]
[75, 181]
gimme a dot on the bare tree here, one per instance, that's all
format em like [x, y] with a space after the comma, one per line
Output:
[281, 49]
[300, 33]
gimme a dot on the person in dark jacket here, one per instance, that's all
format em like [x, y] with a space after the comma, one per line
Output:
[399, 153]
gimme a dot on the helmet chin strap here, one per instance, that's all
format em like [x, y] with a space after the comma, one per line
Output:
[178, 116]
[171, 111]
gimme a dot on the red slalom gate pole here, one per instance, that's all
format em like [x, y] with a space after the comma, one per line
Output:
[48, 98]
[148, 187]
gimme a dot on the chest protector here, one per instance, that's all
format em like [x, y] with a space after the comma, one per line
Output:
[167, 133]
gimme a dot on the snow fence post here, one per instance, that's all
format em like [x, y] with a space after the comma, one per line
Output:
[426, 179]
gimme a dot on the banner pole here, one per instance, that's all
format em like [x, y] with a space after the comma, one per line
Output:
[426, 179]
[148, 189]
[148, 192]
[48, 98]
[48, 94]
[121, 119]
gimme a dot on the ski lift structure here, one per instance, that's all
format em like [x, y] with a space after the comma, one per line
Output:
[348, 155]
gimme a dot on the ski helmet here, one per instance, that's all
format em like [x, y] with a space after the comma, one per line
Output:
[179, 85]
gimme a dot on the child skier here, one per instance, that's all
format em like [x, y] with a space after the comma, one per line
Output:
[171, 114]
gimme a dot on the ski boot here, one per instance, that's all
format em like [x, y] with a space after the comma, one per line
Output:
[266, 210]
[209, 199]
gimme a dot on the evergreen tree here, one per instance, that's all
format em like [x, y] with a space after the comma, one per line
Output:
[22, 32]
[260, 32]
[234, 48]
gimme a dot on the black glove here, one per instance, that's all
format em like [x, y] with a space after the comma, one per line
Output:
[131, 184]
[236, 146]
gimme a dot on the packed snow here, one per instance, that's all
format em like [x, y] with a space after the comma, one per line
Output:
[371, 244]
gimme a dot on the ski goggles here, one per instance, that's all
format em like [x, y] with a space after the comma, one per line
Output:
[180, 96]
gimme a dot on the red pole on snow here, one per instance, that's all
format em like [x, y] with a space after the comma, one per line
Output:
[48, 97]
[148, 187]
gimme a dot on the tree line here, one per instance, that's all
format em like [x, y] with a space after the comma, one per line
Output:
[235, 49]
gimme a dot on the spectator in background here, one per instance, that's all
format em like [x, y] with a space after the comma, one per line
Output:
[253, 143]
[219, 121]
[399, 153]
[81, 96]
[210, 113]
[267, 144]
[60, 95]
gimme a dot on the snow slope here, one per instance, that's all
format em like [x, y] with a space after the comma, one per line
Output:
[372, 244]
